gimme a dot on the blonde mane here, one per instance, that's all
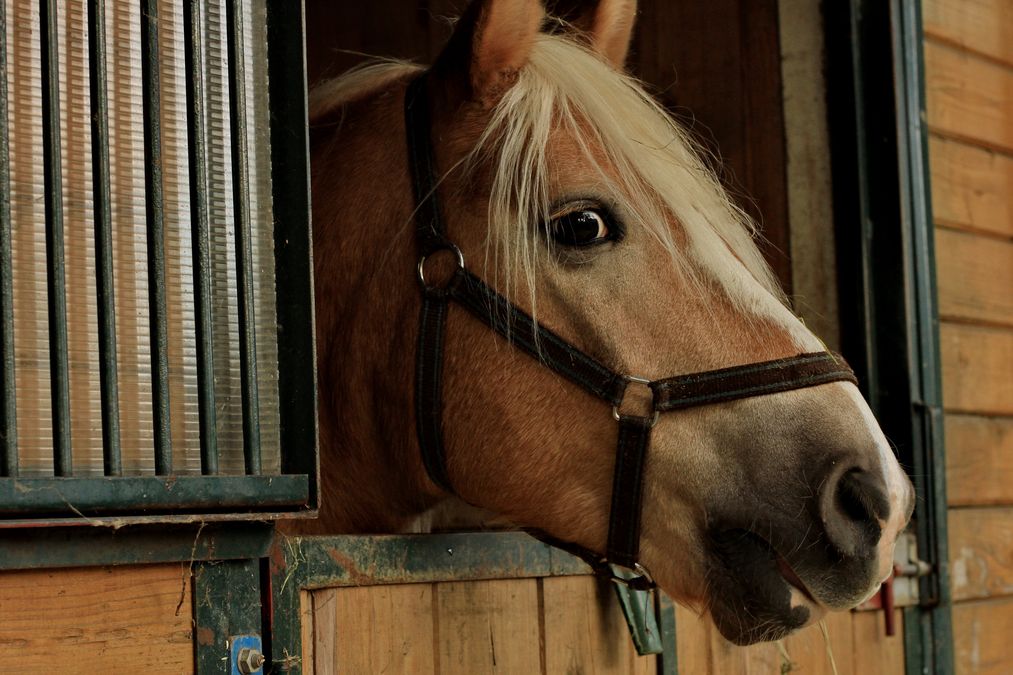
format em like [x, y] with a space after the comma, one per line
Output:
[624, 132]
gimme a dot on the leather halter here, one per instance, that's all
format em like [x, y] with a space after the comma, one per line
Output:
[483, 302]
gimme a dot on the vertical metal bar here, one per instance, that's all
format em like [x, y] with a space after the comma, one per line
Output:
[103, 239]
[244, 247]
[156, 237]
[59, 370]
[293, 247]
[928, 628]
[193, 31]
[230, 611]
[8, 409]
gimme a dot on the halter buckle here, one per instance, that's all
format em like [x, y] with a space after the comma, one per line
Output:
[447, 246]
[633, 379]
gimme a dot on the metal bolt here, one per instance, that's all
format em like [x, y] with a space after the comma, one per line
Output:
[249, 660]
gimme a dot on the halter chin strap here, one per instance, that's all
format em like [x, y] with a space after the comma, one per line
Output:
[483, 302]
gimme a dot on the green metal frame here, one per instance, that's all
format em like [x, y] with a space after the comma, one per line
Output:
[226, 604]
[293, 241]
[114, 498]
[27, 497]
[86, 546]
[928, 627]
[886, 265]
[299, 564]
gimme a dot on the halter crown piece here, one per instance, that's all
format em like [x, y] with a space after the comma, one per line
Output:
[672, 393]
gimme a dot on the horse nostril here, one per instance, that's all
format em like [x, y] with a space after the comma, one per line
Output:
[857, 498]
[852, 515]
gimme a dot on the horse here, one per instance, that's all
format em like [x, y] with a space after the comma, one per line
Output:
[573, 195]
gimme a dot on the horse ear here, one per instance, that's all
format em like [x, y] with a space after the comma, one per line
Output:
[491, 43]
[609, 26]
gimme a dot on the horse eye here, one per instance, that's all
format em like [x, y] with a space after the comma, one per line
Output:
[584, 227]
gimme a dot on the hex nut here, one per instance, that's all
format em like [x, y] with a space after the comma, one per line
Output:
[249, 660]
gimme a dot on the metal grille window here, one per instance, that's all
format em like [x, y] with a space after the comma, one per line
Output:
[154, 247]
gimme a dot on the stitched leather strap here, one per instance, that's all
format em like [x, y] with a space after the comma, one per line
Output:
[627, 491]
[539, 342]
[429, 387]
[755, 379]
[430, 231]
[430, 235]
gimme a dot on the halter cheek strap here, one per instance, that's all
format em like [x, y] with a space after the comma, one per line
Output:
[634, 432]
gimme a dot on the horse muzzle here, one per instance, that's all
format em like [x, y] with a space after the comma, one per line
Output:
[769, 577]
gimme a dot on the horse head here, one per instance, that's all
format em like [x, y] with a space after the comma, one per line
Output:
[567, 189]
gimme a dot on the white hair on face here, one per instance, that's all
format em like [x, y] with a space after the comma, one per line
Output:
[640, 154]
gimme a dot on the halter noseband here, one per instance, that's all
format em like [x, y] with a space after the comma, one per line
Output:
[482, 301]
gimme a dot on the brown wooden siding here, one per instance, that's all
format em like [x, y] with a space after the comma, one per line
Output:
[553, 625]
[98, 620]
[858, 646]
[969, 84]
[982, 636]
[550, 625]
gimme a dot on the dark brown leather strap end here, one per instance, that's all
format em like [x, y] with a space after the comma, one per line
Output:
[623, 546]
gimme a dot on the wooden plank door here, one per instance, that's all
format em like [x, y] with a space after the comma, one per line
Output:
[533, 625]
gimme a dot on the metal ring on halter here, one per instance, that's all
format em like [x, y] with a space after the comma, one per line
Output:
[639, 380]
[445, 247]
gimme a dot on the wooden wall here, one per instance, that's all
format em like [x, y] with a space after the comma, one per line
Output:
[857, 644]
[539, 625]
[97, 620]
[551, 625]
[969, 82]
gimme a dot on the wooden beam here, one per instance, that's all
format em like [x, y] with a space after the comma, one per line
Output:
[981, 26]
[102, 619]
[981, 637]
[875, 652]
[977, 369]
[975, 278]
[488, 627]
[979, 460]
[972, 188]
[968, 98]
[585, 631]
[372, 629]
[981, 552]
